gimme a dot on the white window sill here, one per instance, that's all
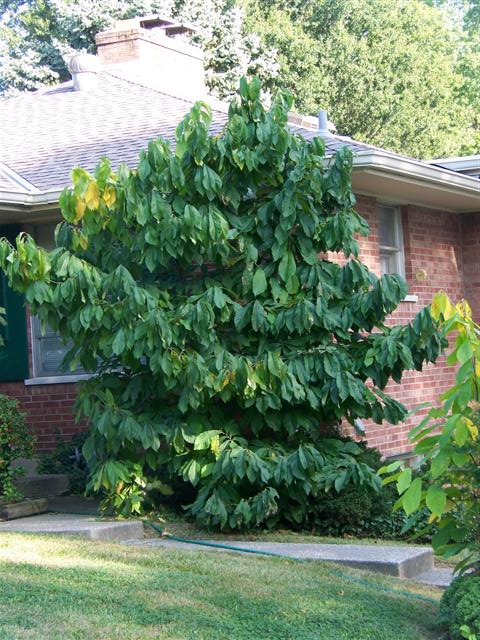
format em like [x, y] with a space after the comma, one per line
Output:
[410, 298]
[58, 379]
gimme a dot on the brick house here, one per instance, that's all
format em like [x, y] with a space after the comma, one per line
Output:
[424, 216]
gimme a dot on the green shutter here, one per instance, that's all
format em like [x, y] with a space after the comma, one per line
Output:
[14, 354]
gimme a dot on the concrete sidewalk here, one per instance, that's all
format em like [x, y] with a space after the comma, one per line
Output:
[401, 561]
[69, 524]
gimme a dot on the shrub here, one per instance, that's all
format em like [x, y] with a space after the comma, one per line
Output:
[227, 345]
[460, 608]
[364, 511]
[67, 458]
[448, 438]
[15, 442]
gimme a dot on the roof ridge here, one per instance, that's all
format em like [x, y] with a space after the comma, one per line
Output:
[144, 85]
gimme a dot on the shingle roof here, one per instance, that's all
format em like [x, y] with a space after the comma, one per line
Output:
[43, 135]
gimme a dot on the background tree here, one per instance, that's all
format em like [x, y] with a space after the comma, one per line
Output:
[38, 36]
[387, 72]
[229, 349]
[403, 75]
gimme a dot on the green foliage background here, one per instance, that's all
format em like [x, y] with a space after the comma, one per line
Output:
[448, 440]
[460, 608]
[15, 442]
[400, 75]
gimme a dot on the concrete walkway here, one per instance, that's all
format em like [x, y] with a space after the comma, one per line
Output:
[401, 561]
[437, 577]
[68, 524]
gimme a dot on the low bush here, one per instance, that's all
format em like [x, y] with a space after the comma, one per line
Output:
[460, 608]
[363, 511]
[67, 458]
[359, 510]
[15, 442]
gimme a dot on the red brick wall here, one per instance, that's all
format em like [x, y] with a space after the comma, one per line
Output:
[49, 410]
[433, 260]
[471, 262]
[49, 407]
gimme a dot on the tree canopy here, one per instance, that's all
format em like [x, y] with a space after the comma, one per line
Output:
[393, 74]
[227, 347]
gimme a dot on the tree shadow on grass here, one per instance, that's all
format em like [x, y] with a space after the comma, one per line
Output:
[185, 595]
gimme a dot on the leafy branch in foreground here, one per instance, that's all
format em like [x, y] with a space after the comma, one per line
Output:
[228, 347]
[448, 440]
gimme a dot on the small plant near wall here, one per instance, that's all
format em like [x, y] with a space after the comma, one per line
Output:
[67, 459]
[448, 438]
[15, 442]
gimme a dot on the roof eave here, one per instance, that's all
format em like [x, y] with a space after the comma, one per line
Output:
[404, 179]
[39, 198]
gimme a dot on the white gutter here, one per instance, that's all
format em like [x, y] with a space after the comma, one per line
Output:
[461, 163]
[51, 196]
[418, 171]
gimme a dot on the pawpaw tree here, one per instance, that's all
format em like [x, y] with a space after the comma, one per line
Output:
[227, 348]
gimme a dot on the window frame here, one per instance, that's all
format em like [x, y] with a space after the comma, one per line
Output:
[14, 364]
[397, 251]
[43, 234]
[38, 373]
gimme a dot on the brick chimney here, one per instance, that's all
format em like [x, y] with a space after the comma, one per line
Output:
[156, 47]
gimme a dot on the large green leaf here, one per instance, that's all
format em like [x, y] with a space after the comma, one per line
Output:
[259, 283]
[412, 496]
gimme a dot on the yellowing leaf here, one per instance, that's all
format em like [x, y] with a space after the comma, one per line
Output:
[441, 305]
[464, 309]
[215, 446]
[92, 196]
[472, 428]
[83, 241]
[437, 305]
[109, 196]
[79, 211]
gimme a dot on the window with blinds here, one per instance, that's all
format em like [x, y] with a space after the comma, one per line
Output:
[48, 352]
[390, 236]
[48, 349]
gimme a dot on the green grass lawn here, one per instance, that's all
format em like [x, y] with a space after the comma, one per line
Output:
[59, 588]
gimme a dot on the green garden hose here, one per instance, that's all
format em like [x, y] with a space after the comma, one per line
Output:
[217, 545]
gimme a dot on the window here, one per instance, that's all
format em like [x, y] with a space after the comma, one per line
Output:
[390, 236]
[48, 352]
[48, 349]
